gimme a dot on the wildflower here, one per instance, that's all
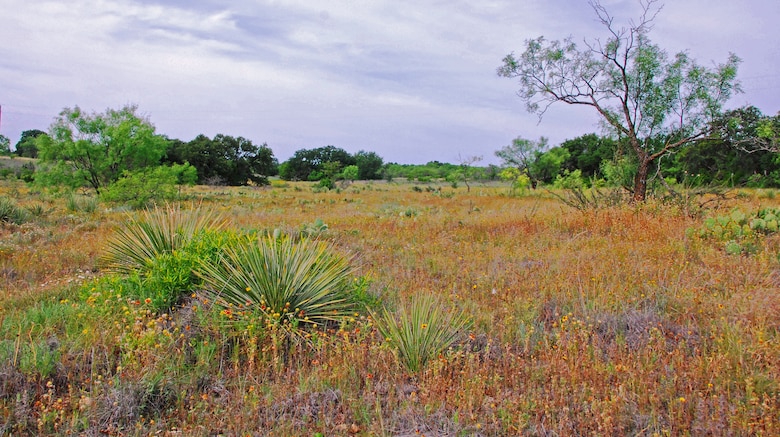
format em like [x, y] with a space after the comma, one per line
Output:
[147, 301]
[424, 325]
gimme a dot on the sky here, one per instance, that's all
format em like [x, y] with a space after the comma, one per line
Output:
[413, 81]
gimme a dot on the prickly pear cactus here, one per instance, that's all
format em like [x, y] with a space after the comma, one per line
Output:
[741, 233]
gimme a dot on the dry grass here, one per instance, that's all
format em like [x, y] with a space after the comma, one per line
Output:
[603, 322]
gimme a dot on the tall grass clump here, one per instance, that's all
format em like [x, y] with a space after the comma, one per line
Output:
[161, 250]
[11, 213]
[75, 203]
[422, 330]
[293, 283]
[158, 231]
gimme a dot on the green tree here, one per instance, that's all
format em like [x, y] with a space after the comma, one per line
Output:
[5, 145]
[26, 145]
[465, 172]
[742, 151]
[369, 165]
[350, 172]
[749, 130]
[522, 154]
[587, 152]
[95, 150]
[549, 164]
[225, 159]
[635, 87]
[309, 164]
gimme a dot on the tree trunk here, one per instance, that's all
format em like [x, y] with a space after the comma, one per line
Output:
[640, 180]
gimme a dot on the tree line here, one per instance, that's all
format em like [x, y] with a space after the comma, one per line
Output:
[118, 153]
[740, 151]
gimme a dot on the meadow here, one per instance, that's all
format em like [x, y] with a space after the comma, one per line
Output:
[616, 320]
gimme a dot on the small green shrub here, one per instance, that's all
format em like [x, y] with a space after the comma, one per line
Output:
[11, 213]
[292, 283]
[139, 189]
[421, 330]
[325, 184]
[162, 250]
[570, 180]
[76, 203]
[315, 229]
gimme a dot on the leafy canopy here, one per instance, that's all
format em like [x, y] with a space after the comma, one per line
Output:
[641, 93]
[95, 149]
[225, 159]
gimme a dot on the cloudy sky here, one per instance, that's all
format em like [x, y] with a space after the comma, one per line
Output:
[414, 81]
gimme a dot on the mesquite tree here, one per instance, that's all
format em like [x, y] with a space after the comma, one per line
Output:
[655, 103]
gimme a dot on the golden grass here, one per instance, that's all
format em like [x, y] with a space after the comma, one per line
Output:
[604, 322]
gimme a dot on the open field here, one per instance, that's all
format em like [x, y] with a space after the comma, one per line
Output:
[612, 321]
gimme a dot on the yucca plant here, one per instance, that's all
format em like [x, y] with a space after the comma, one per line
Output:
[291, 282]
[421, 330]
[11, 213]
[159, 231]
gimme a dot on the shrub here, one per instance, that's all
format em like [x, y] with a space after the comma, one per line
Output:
[325, 183]
[161, 251]
[519, 180]
[142, 187]
[589, 199]
[422, 330]
[290, 283]
[75, 203]
[160, 231]
[570, 180]
[11, 213]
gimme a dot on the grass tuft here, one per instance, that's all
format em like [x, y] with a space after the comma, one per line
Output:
[291, 282]
[159, 231]
[422, 330]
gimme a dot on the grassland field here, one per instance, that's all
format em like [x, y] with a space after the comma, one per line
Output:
[617, 321]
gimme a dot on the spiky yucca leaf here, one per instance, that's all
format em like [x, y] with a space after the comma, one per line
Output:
[157, 232]
[289, 281]
[422, 330]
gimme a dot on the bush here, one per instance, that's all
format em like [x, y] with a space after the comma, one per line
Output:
[289, 283]
[422, 330]
[139, 189]
[163, 248]
[569, 180]
[325, 183]
[519, 180]
[11, 213]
